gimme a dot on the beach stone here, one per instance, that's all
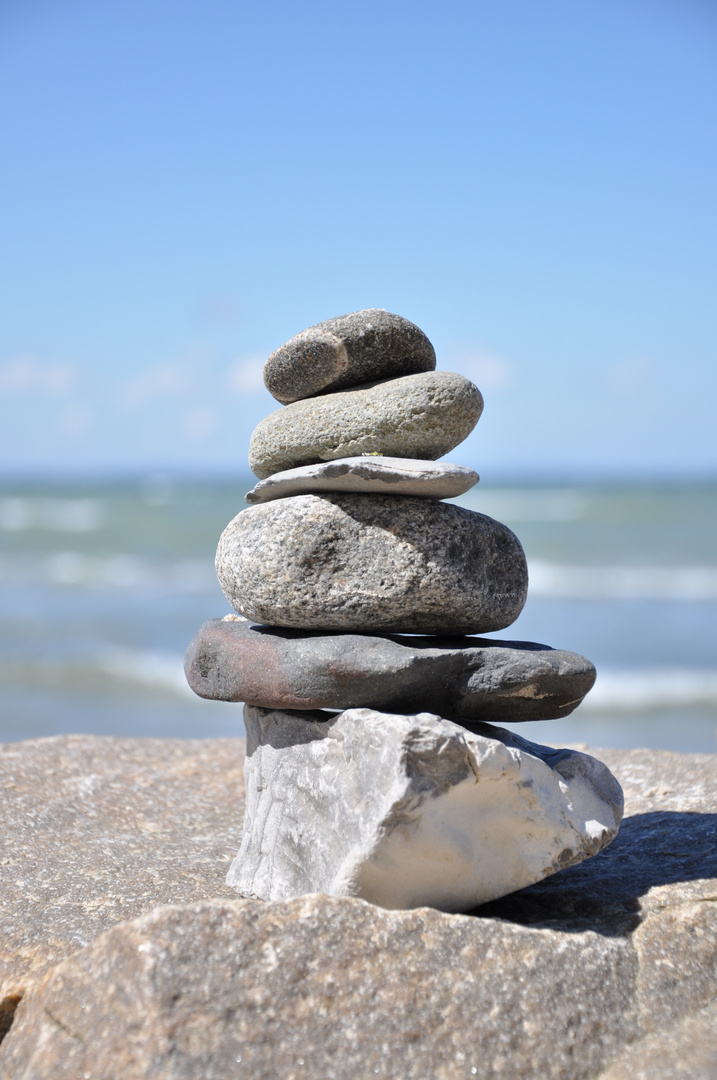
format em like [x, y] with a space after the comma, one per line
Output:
[372, 563]
[376, 475]
[417, 416]
[609, 964]
[464, 679]
[351, 349]
[407, 811]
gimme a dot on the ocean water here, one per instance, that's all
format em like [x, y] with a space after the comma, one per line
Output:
[103, 584]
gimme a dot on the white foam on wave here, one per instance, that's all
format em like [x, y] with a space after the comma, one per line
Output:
[159, 670]
[565, 582]
[649, 689]
[528, 504]
[57, 515]
[119, 570]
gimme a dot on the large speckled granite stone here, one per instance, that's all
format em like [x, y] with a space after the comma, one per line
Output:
[350, 349]
[409, 811]
[418, 416]
[364, 475]
[367, 563]
[464, 679]
[609, 965]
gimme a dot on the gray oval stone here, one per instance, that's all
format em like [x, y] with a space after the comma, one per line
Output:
[365, 563]
[357, 348]
[379, 475]
[418, 416]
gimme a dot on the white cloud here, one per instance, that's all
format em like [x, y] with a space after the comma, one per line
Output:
[76, 419]
[27, 373]
[635, 379]
[488, 372]
[199, 423]
[245, 375]
[158, 381]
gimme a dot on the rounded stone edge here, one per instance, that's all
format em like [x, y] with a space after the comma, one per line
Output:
[333, 355]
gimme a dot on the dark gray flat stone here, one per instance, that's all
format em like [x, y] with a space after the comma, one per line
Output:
[350, 349]
[417, 416]
[372, 563]
[377, 475]
[462, 679]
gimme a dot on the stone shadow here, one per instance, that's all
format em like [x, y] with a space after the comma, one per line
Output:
[602, 894]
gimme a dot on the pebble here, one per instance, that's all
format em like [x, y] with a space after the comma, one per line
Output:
[345, 351]
[372, 564]
[417, 416]
[463, 678]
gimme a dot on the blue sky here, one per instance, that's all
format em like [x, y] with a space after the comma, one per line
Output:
[186, 184]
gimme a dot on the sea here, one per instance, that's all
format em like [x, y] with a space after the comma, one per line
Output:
[103, 583]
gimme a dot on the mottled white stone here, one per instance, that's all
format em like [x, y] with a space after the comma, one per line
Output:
[368, 474]
[406, 811]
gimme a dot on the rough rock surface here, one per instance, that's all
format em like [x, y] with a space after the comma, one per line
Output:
[417, 416]
[95, 830]
[377, 475]
[372, 563]
[356, 348]
[464, 679]
[407, 811]
[608, 963]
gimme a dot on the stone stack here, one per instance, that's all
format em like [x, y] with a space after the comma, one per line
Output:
[373, 766]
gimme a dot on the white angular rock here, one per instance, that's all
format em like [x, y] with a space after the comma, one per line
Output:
[407, 811]
[379, 475]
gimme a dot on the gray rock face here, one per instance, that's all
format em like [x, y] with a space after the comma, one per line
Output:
[407, 811]
[463, 679]
[364, 475]
[356, 348]
[610, 964]
[372, 563]
[418, 416]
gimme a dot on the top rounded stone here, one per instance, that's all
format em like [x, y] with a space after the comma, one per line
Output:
[364, 346]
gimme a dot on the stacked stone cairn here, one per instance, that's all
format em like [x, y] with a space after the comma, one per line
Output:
[373, 767]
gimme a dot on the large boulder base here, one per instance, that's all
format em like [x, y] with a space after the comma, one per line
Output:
[464, 679]
[372, 564]
[417, 416]
[411, 811]
[375, 475]
[603, 967]
[350, 349]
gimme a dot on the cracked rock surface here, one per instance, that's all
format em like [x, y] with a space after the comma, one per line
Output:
[464, 679]
[606, 966]
[417, 416]
[407, 811]
[357, 348]
[372, 563]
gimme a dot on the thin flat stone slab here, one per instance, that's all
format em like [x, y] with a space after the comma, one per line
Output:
[463, 679]
[407, 811]
[417, 416]
[372, 564]
[608, 964]
[350, 349]
[376, 475]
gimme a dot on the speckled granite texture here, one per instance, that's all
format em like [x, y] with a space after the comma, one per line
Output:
[350, 349]
[418, 416]
[372, 563]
